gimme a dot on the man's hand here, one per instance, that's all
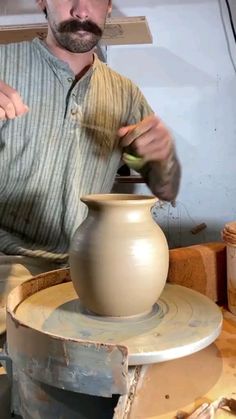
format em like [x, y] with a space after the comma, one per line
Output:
[149, 139]
[11, 104]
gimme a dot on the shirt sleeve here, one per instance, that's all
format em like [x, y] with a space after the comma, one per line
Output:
[162, 177]
[140, 107]
[2, 124]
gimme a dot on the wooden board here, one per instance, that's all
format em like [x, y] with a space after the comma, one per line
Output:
[201, 267]
[184, 384]
[118, 31]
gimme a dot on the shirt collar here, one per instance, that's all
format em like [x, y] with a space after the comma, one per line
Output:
[56, 62]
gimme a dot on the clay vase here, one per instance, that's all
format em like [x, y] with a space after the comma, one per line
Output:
[119, 256]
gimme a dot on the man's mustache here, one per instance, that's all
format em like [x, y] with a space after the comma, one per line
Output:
[73, 25]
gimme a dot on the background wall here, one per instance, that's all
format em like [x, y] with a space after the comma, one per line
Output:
[19, 11]
[189, 79]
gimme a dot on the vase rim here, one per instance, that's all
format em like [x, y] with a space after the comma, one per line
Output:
[119, 199]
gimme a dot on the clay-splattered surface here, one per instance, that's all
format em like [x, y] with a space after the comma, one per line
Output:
[184, 384]
[74, 364]
[182, 322]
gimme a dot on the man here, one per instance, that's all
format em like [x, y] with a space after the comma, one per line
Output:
[66, 121]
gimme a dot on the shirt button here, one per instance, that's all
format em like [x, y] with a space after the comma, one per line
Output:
[73, 112]
[70, 80]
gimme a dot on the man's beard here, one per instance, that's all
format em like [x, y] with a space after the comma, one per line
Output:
[66, 35]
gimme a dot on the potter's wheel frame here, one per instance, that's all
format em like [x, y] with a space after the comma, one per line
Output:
[100, 368]
[181, 323]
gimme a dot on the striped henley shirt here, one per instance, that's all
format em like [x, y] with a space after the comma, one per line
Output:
[66, 146]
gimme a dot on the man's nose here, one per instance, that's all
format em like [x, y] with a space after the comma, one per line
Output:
[79, 9]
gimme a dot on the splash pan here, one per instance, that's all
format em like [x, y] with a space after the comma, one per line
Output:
[182, 322]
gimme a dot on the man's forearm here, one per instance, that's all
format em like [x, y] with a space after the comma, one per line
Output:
[163, 178]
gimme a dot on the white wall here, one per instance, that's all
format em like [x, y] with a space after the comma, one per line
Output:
[189, 79]
[13, 12]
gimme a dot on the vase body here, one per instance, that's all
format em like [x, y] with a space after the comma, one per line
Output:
[119, 257]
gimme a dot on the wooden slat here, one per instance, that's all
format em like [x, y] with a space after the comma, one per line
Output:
[118, 31]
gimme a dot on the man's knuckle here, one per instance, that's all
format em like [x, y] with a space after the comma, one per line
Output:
[164, 154]
[138, 143]
[2, 114]
[14, 95]
[9, 106]
[1, 96]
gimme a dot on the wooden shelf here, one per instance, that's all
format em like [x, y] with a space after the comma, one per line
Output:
[118, 31]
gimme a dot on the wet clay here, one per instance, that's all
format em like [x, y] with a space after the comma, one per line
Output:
[119, 257]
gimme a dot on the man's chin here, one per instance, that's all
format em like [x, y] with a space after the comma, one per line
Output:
[78, 43]
[79, 49]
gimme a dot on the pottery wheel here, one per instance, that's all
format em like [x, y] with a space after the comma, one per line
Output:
[182, 322]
